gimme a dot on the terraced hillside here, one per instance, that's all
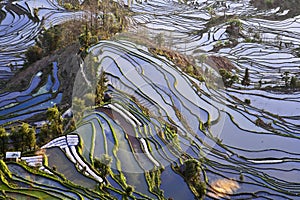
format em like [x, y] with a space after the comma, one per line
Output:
[201, 100]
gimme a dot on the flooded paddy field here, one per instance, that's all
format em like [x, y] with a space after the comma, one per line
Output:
[162, 114]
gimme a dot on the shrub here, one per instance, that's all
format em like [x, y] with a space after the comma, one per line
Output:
[227, 77]
[247, 101]
[68, 6]
[246, 79]
[4, 169]
[33, 54]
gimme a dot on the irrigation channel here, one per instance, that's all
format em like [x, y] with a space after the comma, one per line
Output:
[247, 150]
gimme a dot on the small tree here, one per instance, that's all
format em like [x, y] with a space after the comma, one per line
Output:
[78, 107]
[246, 79]
[16, 138]
[89, 99]
[293, 83]
[192, 172]
[286, 78]
[51, 39]
[85, 37]
[101, 88]
[3, 139]
[159, 39]
[128, 191]
[202, 58]
[103, 165]
[33, 54]
[53, 114]
[44, 134]
[54, 127]
[28, 134]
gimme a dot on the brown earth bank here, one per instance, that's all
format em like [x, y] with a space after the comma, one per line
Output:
[68, 61]
[220, 62]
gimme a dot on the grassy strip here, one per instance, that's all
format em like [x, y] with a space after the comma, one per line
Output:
[93, 136]
[53, 191]
[153, 180]
[4, 169]
[32, 192]
[81, 148]
[102, 130]
[104, 135]
[118, 163]
[92, 148]
[67, 183]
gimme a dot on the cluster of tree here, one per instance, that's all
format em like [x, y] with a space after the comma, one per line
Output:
[227, 77]
[259, 122]
[106, 18]
[191, 172]
[234, 28]
[52, 39]
[24, 137]
[103, 164]
[69, 4]
[20, 138]
[91, 97]
[54, 126]
[290, 82]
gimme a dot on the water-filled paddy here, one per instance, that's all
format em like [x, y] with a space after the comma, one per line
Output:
[257, 141]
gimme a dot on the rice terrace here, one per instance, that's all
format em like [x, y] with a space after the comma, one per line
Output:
[150, 99]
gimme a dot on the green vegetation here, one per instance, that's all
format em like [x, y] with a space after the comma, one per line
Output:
[171, 135]
[112, 20]
[3, 139]
[52, 39]
[185, 63]
[91, 97]
[234, 28]
[290, 81]
[4, 169]
[191, 172]
[128, 192]
[101, 89]
[211, 11]
[235, 22]
[87, 31]
[69, 4]
[227, 77]
[33, 54]
[247, 101]
[154, 181]
[11, 187]
[246, 79]
[53, 128]
[159, 40]
[103, 164]
[78, 107]
[20, 137]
